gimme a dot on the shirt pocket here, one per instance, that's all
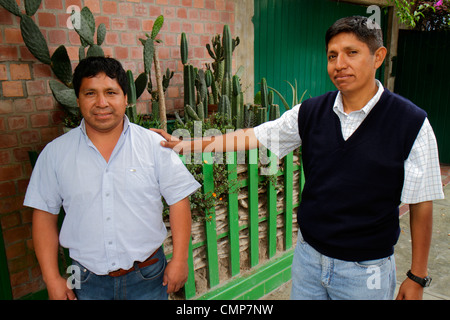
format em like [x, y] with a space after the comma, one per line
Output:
[141, 185]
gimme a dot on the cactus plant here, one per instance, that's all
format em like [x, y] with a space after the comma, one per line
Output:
[59, 62]
[162, 81]
[225, 88]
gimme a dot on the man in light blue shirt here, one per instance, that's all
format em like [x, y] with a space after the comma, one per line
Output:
[110, 176]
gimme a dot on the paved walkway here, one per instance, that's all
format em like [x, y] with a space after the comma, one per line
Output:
[439, 258]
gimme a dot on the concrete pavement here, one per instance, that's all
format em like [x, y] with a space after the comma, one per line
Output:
[439, 258]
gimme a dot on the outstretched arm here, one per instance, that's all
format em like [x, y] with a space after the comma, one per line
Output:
[242, 139]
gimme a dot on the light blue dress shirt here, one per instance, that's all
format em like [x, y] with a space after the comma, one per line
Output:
[113, 209]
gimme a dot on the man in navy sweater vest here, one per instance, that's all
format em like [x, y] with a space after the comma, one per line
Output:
[364, 151]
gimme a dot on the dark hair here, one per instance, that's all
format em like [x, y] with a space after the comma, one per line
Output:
[366, 31]
[91, 66]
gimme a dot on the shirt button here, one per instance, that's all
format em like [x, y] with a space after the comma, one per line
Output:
[107, 194]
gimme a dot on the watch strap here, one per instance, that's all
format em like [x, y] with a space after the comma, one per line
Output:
[424, 282]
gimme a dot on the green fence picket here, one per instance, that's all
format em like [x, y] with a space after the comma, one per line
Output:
[272, 215]
[233, 215]
[189, 286]
[253, 180]
[210, 222]
[288, 198]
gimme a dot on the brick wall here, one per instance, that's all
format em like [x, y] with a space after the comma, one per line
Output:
[29, 116]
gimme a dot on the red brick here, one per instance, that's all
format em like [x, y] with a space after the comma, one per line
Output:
[7, 189]
[36, 87]
[193, 14]
[133, 24]
[74, 38]
[13, 36]
[47, 19]
[42, 70]
[210, 4]
[173, 92]
[125, 9]
[3, 72]
[155, 11]
[23, 105]
[12, 88]
[94, 5]
[22, 186]
[220, 5]
[112, 39]
[25, 54]
[229, 6]
[141, 10]
[10, 172]
[5, 157]
[128, 39]
[20, 71]
[19, 277]
[186, 27]
[182, 13]
[17, 122]
[53, 4]
[45, 103]
[199, 28]
[29, 137]
[21, 154]
[49, 134]
[199, 4]
[57, 36]
[39, 120]
[109, 7]
[6, 106]
[121, 53]
[118, 24]
[16, 234]
[8, 140]
[175, 26]
[11, 220]
[5, 17]
[8, 53]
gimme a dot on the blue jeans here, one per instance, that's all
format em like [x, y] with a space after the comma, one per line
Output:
[140, 284]
[318, 277]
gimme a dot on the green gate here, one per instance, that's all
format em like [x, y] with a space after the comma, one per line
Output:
[422, 71]
[290, 43]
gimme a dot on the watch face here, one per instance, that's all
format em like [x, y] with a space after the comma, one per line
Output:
[427, 281]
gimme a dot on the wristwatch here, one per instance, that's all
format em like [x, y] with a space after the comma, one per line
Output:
[424, 282]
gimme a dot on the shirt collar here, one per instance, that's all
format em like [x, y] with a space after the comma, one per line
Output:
[339, 106]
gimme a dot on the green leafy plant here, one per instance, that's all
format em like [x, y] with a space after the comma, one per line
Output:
[423, 15]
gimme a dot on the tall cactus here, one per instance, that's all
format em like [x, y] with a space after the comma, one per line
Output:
[151, 57]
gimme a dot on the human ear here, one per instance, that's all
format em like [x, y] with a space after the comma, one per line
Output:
[380, 55]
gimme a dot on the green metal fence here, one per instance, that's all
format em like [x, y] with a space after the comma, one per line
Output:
[265, 276]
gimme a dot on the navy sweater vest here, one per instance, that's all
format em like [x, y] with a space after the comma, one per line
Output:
[349, 207]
